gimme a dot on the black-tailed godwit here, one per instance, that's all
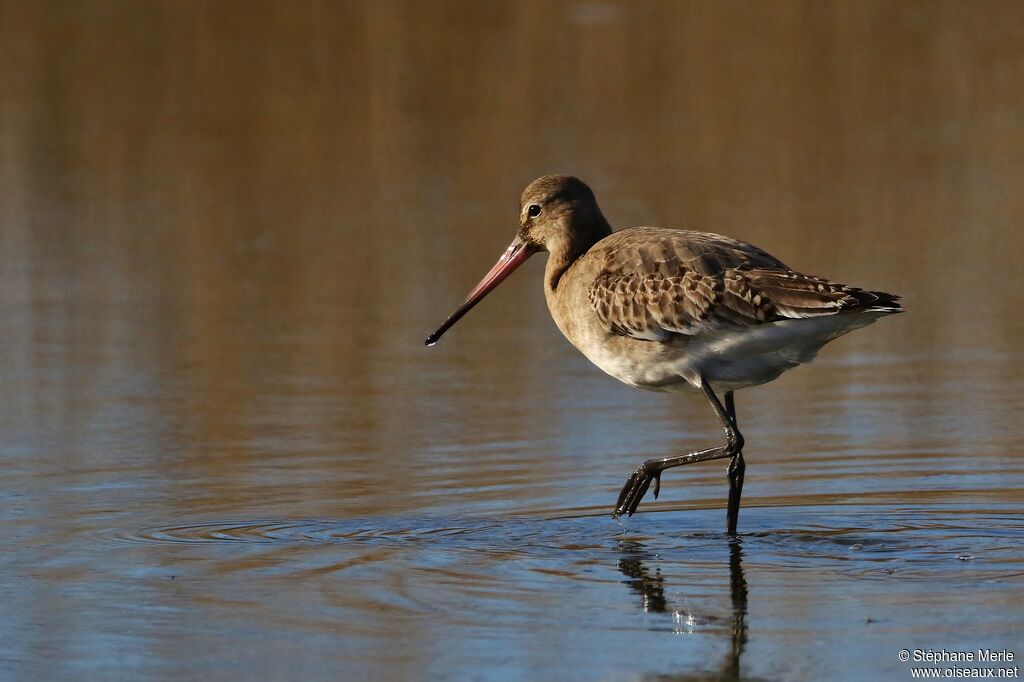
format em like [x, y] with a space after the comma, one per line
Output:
[672, 310]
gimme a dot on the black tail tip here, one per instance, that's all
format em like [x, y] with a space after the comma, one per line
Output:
[879, 301]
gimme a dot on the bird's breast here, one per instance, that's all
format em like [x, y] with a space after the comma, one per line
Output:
[643, 364]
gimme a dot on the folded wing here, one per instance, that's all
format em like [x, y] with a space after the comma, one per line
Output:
[679, 290]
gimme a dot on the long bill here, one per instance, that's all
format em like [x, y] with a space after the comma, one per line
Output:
[514, 256]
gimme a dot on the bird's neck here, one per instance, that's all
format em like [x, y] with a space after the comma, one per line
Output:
[564, 252]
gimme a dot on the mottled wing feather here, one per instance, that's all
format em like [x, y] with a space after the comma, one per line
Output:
[653, 307]
[795, 295]
[658, 283]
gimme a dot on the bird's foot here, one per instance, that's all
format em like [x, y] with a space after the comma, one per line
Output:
[636, 487]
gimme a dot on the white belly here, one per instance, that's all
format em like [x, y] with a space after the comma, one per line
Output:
[728, 359]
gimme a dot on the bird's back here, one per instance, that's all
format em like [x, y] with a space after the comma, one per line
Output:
[653, 282]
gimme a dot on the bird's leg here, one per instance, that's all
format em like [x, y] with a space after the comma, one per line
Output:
[735, 472]
[650, 471]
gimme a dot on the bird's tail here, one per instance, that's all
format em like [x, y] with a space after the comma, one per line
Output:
[876, 301]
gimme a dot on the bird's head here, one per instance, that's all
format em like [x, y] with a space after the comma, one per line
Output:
[558, 214]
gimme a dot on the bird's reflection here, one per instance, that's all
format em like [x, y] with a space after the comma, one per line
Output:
[738, 594]
[650, 586]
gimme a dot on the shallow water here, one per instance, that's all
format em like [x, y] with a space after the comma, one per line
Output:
[225, 452]
[140, 548]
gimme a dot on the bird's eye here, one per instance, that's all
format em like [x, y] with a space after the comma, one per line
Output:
[533, 211]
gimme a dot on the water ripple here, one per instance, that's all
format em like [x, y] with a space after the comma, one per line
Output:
[911, 543]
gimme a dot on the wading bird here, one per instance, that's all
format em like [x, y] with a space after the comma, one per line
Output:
[673, 310]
